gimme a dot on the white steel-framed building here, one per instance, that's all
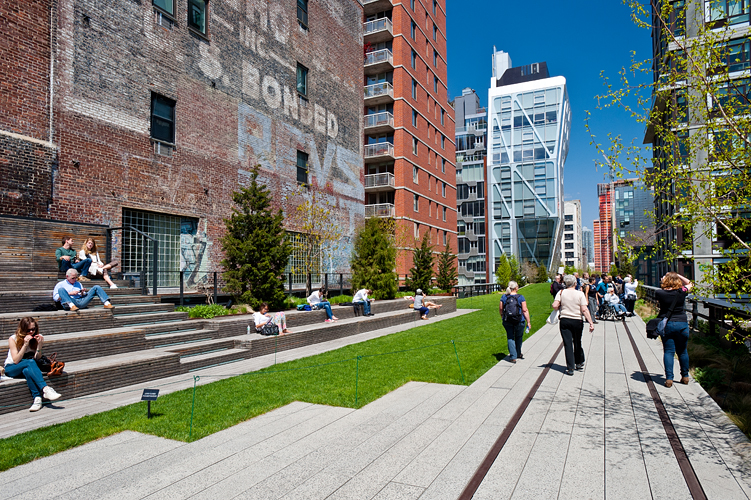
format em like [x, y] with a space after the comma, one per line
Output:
[529, 121]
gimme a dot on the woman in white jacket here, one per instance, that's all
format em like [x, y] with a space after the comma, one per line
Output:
[89, 251]
[612, 299]
[629, 294]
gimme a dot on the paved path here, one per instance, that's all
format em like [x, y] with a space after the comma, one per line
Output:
[594, 435]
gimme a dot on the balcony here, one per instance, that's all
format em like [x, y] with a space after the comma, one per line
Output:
[380, 210]
[378, 152]
[379, 61]
[380, 30]
[379, 93]
[470, 157]
[375, 183]
[371, 7]
[379, 123]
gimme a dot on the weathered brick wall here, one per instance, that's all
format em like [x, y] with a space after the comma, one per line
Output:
[26, 158]
[236, 106]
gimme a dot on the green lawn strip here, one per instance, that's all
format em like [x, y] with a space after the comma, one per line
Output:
[424, 353]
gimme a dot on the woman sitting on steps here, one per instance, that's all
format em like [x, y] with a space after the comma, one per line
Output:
[24, 348]
[88, 251]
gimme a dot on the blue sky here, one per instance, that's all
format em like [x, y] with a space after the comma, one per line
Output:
[578, 40]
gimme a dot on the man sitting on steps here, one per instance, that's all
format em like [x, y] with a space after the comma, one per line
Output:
[73, 296]
[67, 258]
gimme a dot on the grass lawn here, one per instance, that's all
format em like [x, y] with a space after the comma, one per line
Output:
[425, 353]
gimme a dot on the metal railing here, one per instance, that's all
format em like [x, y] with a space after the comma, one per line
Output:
[154, 271]
[379, 56]
[379, 180]
[380, 210]
[379, 119]
[379, 89]
[473, 290]
[380, 149]
[464, 158]
[377, 25]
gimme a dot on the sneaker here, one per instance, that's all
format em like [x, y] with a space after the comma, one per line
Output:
[512, 361]
[50, 393]
[37, 404]
[108, 306]
[668, 383]
[521, 356]
[72, 307]
[329, 321]
[113, 287]
[580, 367]
[334, 318]
[83, 278]
[569, 372]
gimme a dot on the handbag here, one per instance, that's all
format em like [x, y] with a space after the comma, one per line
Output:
[270, 329]
[44, 363]
[553, 318]
[656, 326]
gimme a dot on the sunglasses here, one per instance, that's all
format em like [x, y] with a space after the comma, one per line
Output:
[32, 329]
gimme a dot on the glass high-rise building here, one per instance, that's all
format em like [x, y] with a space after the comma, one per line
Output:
[529, 120]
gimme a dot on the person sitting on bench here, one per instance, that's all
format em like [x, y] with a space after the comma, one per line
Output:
[89, 251]
[361, 298]
[317, 301]
[73, 296]
[68, 259]
[423, 305]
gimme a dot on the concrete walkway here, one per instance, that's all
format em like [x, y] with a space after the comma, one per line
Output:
[594, 435]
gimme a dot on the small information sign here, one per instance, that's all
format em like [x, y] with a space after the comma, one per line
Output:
[150, 394]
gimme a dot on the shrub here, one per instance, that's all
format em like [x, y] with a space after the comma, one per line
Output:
[205, 311]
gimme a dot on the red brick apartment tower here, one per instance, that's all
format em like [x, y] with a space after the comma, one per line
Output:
[160, 108]
[603, 230]
[27, 151]
[409, 154]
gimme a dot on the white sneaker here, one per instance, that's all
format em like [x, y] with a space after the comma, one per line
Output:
[50, 393]
[113, 287]
[37, 404]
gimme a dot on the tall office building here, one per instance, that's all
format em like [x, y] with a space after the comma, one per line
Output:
[529, 119]
[588, 242]
[409, 125]
[573, 249]
[471, 134]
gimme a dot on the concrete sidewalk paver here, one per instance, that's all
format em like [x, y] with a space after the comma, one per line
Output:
[594, 435]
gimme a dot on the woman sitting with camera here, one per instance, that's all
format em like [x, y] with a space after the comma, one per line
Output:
[24, 348]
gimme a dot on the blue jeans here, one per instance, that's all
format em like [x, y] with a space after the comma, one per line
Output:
[365, 305]
[327, 307]
[620, 308]
[515, 336]
[29, 370]
[81, 266]
[424, 311]
[675, 341]
[80, 303]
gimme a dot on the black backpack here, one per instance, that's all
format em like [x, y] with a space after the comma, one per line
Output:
[512, 312]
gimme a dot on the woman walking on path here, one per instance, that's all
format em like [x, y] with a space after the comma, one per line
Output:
[629, 292]
[513, 310]
[571, 305]
[675, 288]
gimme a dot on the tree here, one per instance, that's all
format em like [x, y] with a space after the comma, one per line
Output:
[421, 273]
[446, 268]
[570, 270]
[516, 274]
[695, 108]
[255, 247]
[503, 272]
[613, 270]
[374, 260]
[542, 274]
[529, 272]
[317, 233]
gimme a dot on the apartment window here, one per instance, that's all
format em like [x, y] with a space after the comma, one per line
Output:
[197, 15]
[167, 6]
[302, 79]
[430, 208]
[302, 13]
[444, 215]
[435, 58]
[302, 168]
[443, 189]
[568, 227]
[414, 60]
[414, 89]
[417, 230]
[569, 246]
[444, 233]
[443, 116]
[414, 145]
[412, 4]
[569, 218]
[416, 203]
[443, 141]
[414, 118]
[435, 32]
[413, 30]
[435, 4]
[435, 84]
[414, 175]
[162, 119]
[568, 237]
[443, 165]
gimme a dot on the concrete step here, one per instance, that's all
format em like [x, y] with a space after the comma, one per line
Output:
[148, 318]
[122, 311]
[211, 359]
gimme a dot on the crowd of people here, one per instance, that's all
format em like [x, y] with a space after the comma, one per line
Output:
[584, 299]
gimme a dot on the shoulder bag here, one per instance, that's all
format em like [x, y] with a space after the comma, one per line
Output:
[656, 326]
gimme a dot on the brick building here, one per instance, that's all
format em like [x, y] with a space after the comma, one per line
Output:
[159, 109]
[410, 172]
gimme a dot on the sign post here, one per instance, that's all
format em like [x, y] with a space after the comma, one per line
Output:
[149, 395]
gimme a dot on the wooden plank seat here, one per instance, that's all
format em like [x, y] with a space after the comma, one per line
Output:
[28, 300]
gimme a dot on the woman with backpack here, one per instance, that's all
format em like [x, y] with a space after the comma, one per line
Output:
[515, 317]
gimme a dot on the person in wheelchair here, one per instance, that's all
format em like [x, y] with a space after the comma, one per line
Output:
[613, 302]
